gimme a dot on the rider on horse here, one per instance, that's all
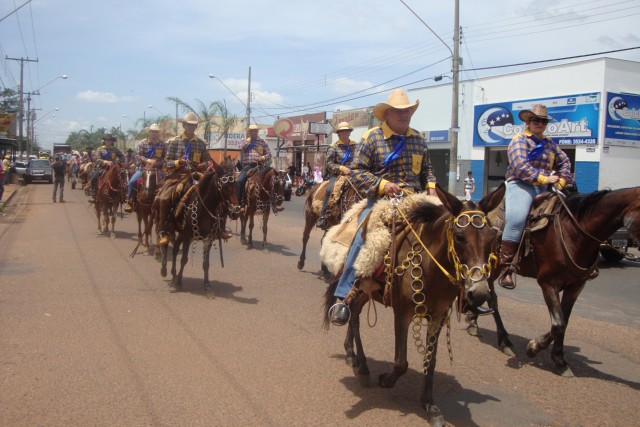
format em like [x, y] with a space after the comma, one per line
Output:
[150, 155]
[391, 158]
[254, 151]
[186, 154]
[339, 157]
[104, 157]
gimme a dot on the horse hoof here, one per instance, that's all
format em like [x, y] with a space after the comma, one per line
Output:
[434, 416]
[210, 294]
[163, 271]
[472, 330]
[113, 234]
[351, 361]
[565, 372]
[300, 265]
[508, 351]
[532, 349]
[99, 233]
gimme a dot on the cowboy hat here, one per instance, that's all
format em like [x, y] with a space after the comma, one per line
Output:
[537, 110]
[399, 100]
[253, 127]
[343, 126]
[107, 136]
[190, 118]
[154, 126]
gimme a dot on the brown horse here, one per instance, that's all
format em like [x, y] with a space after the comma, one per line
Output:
[146, 190]
[561, 258]
[203, 219]
[108, 198]
[348, 198]
[445, 252]
[264, 193]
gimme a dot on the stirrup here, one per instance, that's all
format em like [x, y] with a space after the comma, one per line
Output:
[333, 315]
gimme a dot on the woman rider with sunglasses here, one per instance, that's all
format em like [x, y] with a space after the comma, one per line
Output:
[535, 162]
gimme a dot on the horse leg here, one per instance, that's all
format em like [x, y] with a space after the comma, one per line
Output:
[176, 281]
[250, 240]
[243, 228]
[174, 257]
[434, 415]
[357, 359]
[163, 257]
[98, 214]
[308, 225]
[206, 251]
[504, 343]
[569, 297]
[265, 222]
[400, 365]
[113, 221]
[140, 220]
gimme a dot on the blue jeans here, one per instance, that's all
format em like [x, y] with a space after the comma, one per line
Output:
[349, 274]
[518, 200]
[132, 182]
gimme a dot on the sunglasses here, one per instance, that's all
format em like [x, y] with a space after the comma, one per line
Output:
[539, 120]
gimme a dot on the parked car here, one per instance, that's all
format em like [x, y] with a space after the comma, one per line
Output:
[19, 168]
[288, 184]
[621, 240]
[38, 169]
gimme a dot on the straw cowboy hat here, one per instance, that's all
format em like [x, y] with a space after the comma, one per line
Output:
[253, 127]
[154, 126]
[399, 100]
[343, 126]
[537, 110]
[108, 137]
[190, 118]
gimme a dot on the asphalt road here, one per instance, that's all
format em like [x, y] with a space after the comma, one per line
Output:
[91, 336]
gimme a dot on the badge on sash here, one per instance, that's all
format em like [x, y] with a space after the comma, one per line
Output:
[158, 153]
[196, 157]
[113, 155]
[416, 163]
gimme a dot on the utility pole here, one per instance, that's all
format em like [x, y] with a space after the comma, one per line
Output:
[249, 101]
[455, 129]
[21, 111]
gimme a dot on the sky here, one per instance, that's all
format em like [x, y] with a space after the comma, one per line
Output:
[124, 58]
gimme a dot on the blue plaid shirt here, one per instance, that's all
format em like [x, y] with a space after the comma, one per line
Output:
[177, 149]
[412, 170]
[553, 158]
[335, 153]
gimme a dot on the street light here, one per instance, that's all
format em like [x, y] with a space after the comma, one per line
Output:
[211, 76]
[151, 106]
[47, 115]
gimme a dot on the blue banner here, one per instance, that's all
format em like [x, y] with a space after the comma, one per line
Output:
[575, 120]
[622, 125]
[438, 136]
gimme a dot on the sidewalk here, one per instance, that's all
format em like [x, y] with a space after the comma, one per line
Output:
[10, 190]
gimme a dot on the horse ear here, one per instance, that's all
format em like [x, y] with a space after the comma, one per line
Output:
[449, 201]
[493, 199]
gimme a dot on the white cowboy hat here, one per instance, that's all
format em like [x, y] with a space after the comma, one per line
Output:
[190, 118]
[154, 126]
[398, 100]
[253, 127]
[537, 110]
[343, 126]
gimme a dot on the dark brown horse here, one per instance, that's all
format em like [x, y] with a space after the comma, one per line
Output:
[348, 198]
[202, 219]
[264, 193]
[146, 190]
[446, 252]
[108, 198]
[562, 257]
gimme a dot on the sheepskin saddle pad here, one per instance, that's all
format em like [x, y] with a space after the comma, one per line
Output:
[335, 246]
[334, 197]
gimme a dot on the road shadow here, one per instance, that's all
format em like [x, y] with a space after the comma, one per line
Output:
[270, 248]
[581, 365]
[218, 289]
[452, 399]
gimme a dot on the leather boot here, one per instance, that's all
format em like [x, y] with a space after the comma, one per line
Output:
[129, 207]
[507, 252]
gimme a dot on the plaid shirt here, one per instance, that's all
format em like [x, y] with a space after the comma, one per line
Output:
[177, 149]
[334, 156]
[411, 170]
[148, 150]
[553, 158]
[259, 149]
[107, 153]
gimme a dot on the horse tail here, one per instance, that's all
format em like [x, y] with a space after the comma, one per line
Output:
[329, 299]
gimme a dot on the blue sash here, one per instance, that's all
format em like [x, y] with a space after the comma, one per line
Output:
[397, 150]
[347, 155]
[537, 151]
[187, 151]
[250, 146]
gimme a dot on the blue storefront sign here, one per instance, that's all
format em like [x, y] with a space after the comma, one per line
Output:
[622, 125]
[575, 120]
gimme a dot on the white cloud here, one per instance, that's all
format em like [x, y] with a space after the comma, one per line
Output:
[346, 85]
[93, 96]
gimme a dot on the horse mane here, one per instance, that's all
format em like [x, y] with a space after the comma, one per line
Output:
[581, 205]
[425, 212]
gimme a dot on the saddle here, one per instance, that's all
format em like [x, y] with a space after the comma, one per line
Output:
[333, 204]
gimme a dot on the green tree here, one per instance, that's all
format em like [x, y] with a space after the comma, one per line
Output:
[9, 101]
[206, 113]
[224, 122]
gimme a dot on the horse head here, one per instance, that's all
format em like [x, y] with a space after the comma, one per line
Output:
[277, 189]
[226, 185]
[470, 242]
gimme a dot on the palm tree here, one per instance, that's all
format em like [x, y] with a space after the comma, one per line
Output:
[205, 113]
[224, 123]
